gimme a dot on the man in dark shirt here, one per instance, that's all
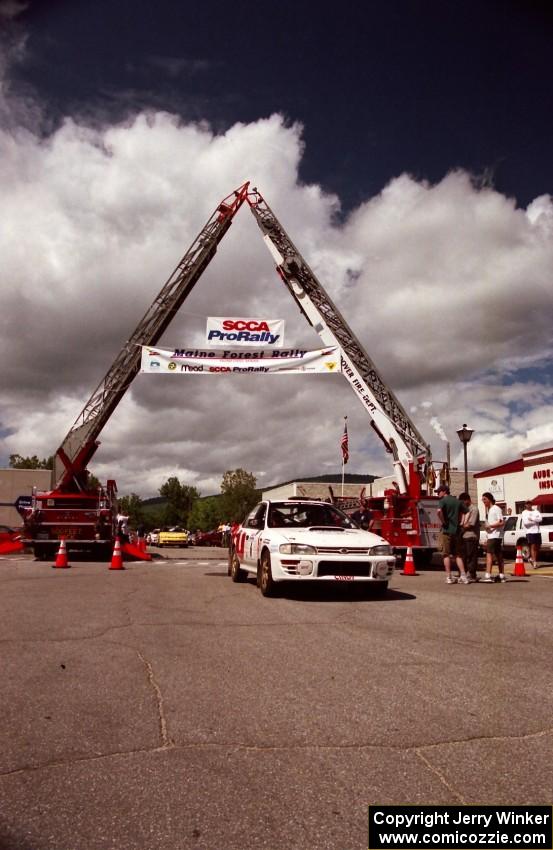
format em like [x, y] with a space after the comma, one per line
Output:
[470, 536]
[449, 511]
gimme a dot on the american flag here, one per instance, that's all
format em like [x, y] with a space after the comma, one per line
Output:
[344, 443]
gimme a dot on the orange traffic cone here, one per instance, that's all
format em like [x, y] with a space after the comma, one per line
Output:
[117, 558]
[61, 557]
[409, 565]
[519, 564]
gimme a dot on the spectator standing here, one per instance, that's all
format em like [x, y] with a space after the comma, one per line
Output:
[531, 519]
[470, 536]
[449, 511]
[362, 516]
[494, 544]
[140, 536]
[226, 535]
[123, 527]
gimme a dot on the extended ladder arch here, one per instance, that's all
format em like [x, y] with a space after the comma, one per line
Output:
[388, 418]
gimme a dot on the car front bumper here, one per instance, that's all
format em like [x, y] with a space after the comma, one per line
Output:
[326, 568]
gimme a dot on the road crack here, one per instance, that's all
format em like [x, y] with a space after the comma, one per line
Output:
[166, 742]
[168, 745]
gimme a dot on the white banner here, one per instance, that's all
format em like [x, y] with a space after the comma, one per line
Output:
[230, 330]
[183, 361]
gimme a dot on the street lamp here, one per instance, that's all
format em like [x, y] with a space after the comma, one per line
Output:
[464, 435]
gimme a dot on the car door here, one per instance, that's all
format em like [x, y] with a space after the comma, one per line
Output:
[253, 529]
[511, 531]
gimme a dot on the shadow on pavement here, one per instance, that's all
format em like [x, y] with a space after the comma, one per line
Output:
[336, 592]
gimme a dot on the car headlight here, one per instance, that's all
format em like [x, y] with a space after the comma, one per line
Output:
[380, 550]
[297, 549]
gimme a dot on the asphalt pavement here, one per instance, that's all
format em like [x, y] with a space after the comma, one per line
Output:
[163, 707]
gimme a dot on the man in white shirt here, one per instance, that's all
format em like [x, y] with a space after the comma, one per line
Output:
[494, 545]
[531, 519]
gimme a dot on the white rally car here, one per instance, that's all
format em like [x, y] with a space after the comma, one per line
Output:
[304, 540]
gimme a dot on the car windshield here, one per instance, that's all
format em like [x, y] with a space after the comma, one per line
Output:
[301, 515]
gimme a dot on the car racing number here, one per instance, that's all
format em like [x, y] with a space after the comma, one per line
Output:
[240, 543]
[247, 546]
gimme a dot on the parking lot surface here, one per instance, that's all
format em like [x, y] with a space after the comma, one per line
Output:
[164, 708]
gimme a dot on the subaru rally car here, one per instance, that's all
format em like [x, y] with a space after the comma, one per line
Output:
[305, 540]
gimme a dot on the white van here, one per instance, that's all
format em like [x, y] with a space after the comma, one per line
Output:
[514, 534]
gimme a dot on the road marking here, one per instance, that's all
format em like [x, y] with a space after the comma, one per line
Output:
[18, 560]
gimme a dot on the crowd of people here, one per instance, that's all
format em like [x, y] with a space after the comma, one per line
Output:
[460, 536]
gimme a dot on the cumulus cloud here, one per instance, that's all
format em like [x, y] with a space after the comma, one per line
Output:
[10, 9]
[447, 286]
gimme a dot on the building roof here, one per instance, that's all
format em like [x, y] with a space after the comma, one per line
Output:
[512, 466]
[335, 478]
[538, 451]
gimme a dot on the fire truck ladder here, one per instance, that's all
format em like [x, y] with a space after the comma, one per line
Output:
[79, 445]
[388, 418]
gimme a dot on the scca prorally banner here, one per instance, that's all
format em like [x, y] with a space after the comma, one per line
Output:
[231, 330]
[193, 361]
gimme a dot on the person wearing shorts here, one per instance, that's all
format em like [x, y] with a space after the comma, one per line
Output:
[494, 545]
[531, 519]
[449, 510]
[470, 533]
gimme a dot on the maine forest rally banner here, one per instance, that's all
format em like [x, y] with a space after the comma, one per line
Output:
[193, 361]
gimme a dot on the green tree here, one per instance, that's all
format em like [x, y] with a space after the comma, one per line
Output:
[131, 506]
[206, 514]
[92, 482]
[180, 500]
[239, 494]
[20, 462]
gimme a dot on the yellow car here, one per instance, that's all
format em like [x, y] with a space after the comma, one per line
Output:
[173, 537]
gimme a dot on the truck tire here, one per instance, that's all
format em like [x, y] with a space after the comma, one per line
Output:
[422, 558]
[42, 551]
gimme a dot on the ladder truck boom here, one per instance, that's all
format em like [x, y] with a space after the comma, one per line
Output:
[388, 418]
[87, 518]
[80, 443]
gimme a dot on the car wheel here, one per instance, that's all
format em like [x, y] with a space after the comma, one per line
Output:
[265, 580]
[236, 571]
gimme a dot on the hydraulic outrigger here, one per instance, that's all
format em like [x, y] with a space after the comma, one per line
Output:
[86, 518]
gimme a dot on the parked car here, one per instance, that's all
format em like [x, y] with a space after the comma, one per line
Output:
[483, 536]
[305, 540]
[208, 538]
[514, 534]
[152, 538]
[174, 536]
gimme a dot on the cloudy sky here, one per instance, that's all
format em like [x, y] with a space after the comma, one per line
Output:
[405, 147]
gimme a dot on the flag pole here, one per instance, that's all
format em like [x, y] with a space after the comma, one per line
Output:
[344, 445]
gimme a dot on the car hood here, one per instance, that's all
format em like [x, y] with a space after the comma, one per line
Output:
[317, 536]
